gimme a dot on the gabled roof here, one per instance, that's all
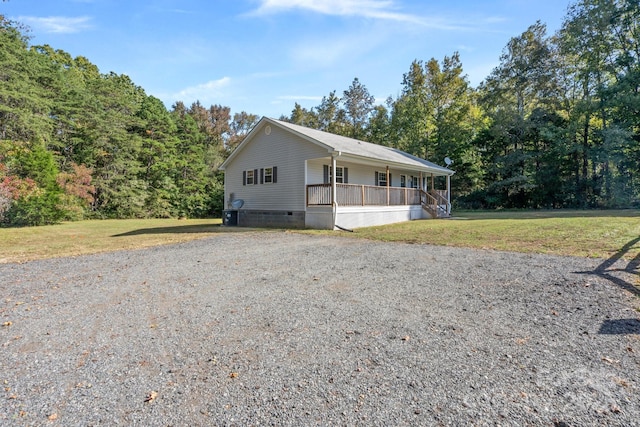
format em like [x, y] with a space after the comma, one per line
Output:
[345, 147]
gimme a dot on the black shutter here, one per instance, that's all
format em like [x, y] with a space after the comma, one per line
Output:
[376, 179]
[274, 177]
[261, 175]
[325, 174]
[244, 177]
[255, 176]
[389, 183]
[345, 175]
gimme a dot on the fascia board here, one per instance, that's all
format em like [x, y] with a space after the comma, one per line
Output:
[398, 165]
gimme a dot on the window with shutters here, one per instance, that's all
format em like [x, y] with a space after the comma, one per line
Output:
[342, 174]
[381, 179]
[414, 182]
[250, 177]
[268, 175]
[403, 180]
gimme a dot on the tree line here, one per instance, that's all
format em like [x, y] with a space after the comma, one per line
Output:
[76, 143]
[555, 125]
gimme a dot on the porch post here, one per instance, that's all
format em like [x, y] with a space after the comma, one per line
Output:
[388, 185]
[449, 194]
[334, 187]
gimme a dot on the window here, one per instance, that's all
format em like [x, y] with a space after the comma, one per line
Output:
[381, 179]
[260, 176]
[342, 174]
[403, 180]
[249, 177]
[268, 175]
[414, 183]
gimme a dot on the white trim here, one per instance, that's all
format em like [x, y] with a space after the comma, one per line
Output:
[321, 217]
[395, 165]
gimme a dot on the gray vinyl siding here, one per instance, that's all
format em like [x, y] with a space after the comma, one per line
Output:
[315, 174]
[358, 174]
[288, 153]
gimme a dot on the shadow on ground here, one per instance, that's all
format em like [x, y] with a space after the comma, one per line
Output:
[183, 229]
[620, 327]
[606, 270]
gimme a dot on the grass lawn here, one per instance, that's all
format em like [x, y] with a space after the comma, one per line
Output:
[601, 234]
[85, 237]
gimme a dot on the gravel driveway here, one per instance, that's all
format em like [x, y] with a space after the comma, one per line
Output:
[286, 329]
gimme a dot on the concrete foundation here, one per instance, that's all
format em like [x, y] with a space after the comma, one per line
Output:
[280, 219]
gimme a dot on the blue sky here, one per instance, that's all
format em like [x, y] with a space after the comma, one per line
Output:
[262, 56]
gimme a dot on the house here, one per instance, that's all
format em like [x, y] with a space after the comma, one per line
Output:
[282, 175]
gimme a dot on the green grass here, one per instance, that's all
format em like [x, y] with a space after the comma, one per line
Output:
[85, 237]
[600, 234]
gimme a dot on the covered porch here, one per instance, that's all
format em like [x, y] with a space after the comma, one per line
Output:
[365, 192]
[371, 195]
[435, 202]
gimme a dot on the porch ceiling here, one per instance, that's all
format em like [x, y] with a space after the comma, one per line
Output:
[350, 158]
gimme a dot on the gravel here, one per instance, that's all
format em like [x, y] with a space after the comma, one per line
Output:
[279, 328]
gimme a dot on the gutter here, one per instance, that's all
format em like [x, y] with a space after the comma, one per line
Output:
[439, 171]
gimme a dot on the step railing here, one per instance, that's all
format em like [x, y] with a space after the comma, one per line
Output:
[431, 202]
[442, 201]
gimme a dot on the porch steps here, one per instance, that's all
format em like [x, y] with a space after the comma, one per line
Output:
[435, 204]
[436, 211]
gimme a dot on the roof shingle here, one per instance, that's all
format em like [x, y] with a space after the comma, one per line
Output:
[353, 147]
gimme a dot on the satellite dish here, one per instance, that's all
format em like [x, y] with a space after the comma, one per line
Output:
[448, 161]
[237, 204]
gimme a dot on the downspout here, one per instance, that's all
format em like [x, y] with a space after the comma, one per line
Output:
[334, 192]
[334, 189]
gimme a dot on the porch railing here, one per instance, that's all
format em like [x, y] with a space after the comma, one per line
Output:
[435, 202]
[362, 195]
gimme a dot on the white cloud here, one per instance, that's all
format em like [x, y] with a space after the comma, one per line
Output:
[57, 24]
[375, 9]
[209, 92]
